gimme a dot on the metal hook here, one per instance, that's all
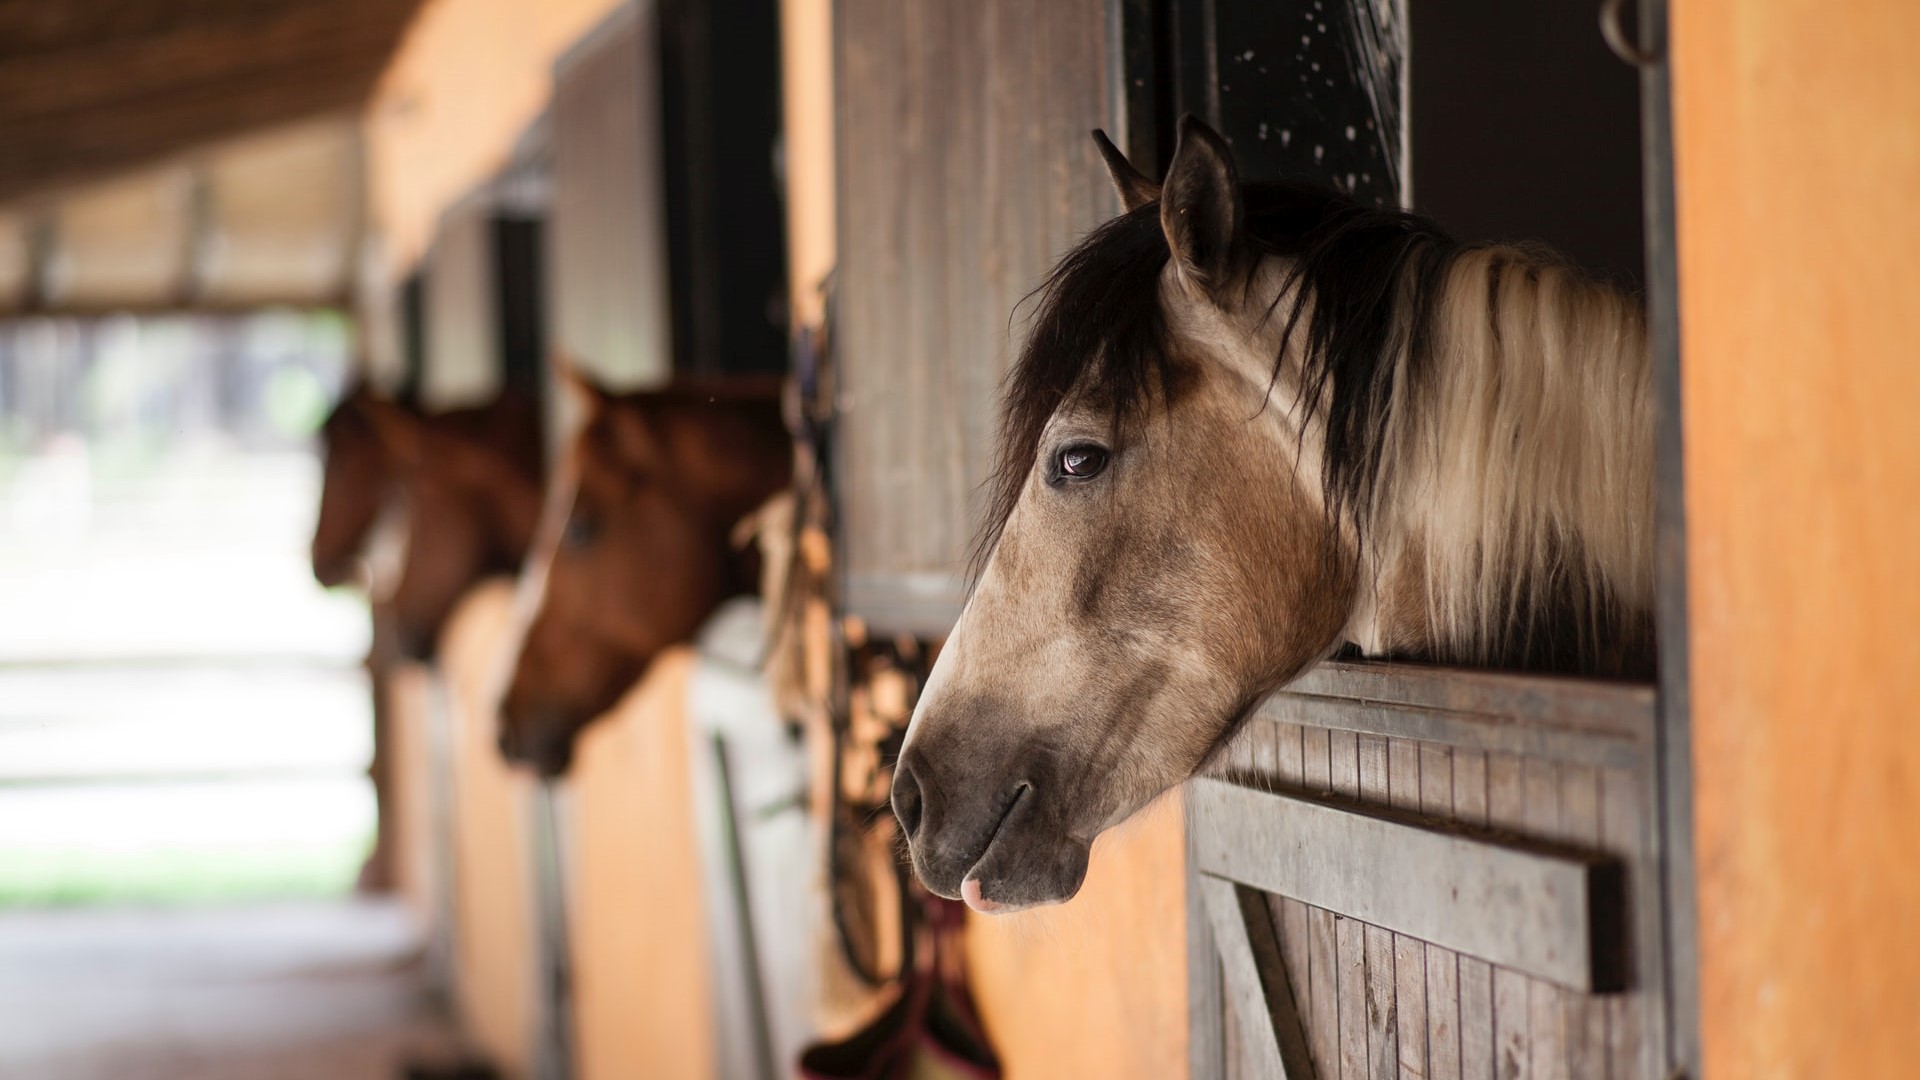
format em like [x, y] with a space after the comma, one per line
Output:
[1616, 37]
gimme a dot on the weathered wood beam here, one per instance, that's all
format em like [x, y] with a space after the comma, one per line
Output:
[89, 87]
[1546, 911]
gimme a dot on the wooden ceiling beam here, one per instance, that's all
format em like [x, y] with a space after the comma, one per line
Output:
[93, 87]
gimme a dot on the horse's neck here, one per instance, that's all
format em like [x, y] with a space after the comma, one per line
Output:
[1513, 519]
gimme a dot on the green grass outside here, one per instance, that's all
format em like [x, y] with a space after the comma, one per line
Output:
[178, 876]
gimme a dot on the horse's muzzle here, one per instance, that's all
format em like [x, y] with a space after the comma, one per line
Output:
[992, 832]
[537, 739]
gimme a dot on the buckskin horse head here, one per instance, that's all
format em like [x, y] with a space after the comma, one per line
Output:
[1253, 422]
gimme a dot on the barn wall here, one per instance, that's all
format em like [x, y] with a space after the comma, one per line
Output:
[495, 931]
[964, 171]
[412, 784]
[468, 78]
[1097, 987]
[1797, 129]
[642, 1001]
[638, 940]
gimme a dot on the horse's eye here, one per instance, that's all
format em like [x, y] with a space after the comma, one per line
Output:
[580, 532]
[1082, 461]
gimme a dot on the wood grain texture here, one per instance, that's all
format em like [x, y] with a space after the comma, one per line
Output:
[1796, 160]
[1476, 975]
[1545, 1002]
[1409, 955]
[1383, 1025]
[91, 88]
[1380, 1000]
[1512, 1027]
[969, 191]
[1523, 905]
[1442, 965]
[1266, 1020]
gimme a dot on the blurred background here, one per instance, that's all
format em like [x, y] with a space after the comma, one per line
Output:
[183, 716]
[252, 830]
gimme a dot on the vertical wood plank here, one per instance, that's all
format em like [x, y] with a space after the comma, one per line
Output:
[1266, 754]
[1296, 937]
[1351, 938]
[1478, 1032]
[1586, 1014]
[1477, 1029]
[1512, 1042]
[1409, 954]
[1343, 756]
[1323, 953]
[1261, 997]
[1442, 966]
[1546, 1007]
[1233, 1039]
[1383, 1043]
[1622, 830]
[1289, 754]
[1210, 1041]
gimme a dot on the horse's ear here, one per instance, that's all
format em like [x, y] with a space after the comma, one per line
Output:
[578, 386]
[1134, 189]
[630, 434]
[401, 431]
[1200, 209]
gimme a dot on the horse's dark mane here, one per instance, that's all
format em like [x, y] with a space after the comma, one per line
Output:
[1359, 277]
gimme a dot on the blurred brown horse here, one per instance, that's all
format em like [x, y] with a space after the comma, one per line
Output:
[358, 478]
[470, 482]
[640, 553]
[357, 481]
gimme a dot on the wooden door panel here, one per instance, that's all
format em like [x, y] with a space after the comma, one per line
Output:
[1392, 976]
[965, 171]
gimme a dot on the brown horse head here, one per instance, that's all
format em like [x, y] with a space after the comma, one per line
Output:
[1251, 422]
[470, 482]
[355, 484]
[640, 553]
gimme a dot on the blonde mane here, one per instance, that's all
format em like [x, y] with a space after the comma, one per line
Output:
[1481, 418]
[1514, 496]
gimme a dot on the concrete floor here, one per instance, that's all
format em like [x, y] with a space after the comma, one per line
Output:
[291, 991]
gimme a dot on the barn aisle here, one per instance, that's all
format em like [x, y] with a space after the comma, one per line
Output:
[328, 990]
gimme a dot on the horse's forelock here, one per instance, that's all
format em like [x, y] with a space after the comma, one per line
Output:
[1363, 283]
[1097, 330]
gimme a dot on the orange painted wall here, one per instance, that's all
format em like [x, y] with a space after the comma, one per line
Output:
[467, 79]
[1097, 987]
[496, 969]
[1797, 130]
[642, 995]
[416, 861]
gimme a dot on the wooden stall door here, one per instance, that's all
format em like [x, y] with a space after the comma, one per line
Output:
[964, 170]
[1419, 872]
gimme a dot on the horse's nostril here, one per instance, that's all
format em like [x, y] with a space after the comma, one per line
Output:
[906, 800]
[507, 744]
